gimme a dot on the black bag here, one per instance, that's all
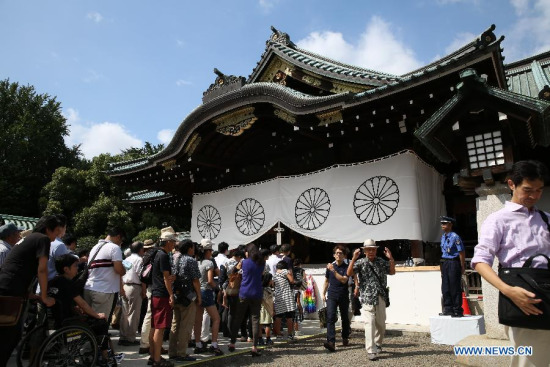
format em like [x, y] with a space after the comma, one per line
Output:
[146, 272]
[536, 280]
[184, 293]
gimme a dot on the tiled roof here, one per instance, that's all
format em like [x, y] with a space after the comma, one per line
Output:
[144, 195]
[529, 76]
[276, 94]
[25, 222]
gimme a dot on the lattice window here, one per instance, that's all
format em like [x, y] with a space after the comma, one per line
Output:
[485, 150]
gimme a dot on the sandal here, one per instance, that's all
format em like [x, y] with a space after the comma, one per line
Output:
[231, 348]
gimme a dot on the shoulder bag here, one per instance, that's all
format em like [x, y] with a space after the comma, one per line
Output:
[386, 290]
[82, 276]
[536, 280]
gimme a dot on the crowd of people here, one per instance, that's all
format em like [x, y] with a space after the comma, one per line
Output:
[195, 293]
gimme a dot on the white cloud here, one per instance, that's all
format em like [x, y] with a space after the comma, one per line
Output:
[94, 16]
[460, 40]
[267, 5]
[92, 76]
[529, 33]
[165, 136]
[182, 82]
[97, 138]
[520, 6]
[378, 48]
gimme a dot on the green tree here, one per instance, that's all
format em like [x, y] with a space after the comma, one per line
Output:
[32, 146]
[152, 233]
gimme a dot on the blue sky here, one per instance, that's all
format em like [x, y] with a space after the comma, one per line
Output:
[127, 72]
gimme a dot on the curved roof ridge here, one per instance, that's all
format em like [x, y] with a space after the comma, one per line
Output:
[297, 99]
[339, 63]
[483, 40]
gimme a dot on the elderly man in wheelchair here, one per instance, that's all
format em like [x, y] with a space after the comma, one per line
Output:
[81, 337]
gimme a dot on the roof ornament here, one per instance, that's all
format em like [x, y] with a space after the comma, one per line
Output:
[222, 84]
[280, 37]
[486, 38]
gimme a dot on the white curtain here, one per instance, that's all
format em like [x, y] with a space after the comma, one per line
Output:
[396, 197]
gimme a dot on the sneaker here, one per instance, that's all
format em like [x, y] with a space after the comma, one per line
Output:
[329, 346]
[217, 351]
[249, 340]
[298, 333]
[268, 341]
[119, 357]
[345, 343]
[372, 357]
[261, 341]
[379, 347]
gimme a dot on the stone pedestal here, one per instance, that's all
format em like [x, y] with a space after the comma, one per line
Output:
[490, 200]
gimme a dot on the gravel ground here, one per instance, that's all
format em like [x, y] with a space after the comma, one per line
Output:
[400, 349]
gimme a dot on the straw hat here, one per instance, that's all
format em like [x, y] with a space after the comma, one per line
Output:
[369, 243]
[168, 234]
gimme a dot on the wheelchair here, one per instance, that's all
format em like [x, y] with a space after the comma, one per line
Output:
[61, 343]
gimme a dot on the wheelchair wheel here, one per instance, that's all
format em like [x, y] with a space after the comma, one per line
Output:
[69, 346]
[28, 348]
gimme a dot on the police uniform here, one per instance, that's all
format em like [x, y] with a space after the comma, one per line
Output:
[451, 271]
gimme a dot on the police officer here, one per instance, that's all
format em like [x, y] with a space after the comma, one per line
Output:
[452, 268]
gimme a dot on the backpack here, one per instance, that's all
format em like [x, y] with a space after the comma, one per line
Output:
[146, 272]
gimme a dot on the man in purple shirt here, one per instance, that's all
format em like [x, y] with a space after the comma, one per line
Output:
[513, 234]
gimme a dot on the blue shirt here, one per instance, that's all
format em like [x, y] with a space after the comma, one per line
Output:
[451, 245]
[251, 285]
[336, 288]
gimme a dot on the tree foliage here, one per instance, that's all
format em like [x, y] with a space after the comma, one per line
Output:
[152, 233]
[32, 146]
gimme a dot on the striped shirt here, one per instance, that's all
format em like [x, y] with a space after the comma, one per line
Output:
[284, 296]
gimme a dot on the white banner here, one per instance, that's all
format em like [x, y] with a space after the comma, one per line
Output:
[397, 197]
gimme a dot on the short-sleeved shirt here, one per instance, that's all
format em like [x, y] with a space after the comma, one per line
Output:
[102, 276]
[284, 296]
[5, 249]
[57, 248]
[187, 269]
[161, 264]
[132, 274]
[20, 266]
[369, 286]
[251, 285]
[336, 289]
[451, 245]
[65, 291]
[204, 266]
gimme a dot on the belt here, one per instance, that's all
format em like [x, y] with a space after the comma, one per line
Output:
[453, 259]
[139, 284]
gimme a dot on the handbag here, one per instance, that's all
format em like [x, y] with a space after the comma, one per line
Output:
[11, 308]
[536, 280]
[234, 284]
[386, 290]
[82, 276]
[183, 293]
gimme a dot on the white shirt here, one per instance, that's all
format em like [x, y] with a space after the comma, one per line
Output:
[102, 277]
[221, 259]
[5, 249]
[272, 261]
[132, 276]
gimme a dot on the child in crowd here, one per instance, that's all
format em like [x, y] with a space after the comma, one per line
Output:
[285, 305]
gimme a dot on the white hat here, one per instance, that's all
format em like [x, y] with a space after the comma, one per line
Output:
[148, 244]
[168, 234]
[206, 244]
[369, 243]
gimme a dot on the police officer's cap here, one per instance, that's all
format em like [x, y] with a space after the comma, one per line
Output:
[445, 219]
